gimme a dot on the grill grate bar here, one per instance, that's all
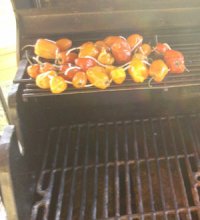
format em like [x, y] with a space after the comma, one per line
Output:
[63, 176]
[83, 196]
[188, 216]
[106, 176]
[189, 169]
[40, 189]
[72, 190]
[116, 164]
[127, 172]
[52, 177]
[172, 187]
[94, 199]
[157, 213]
[194, 137]
[150, 184]
[139, 184]
[158, 170]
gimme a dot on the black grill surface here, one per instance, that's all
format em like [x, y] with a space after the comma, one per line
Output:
[137, 169]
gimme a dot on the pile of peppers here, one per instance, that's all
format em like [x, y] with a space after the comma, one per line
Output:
[101, 63]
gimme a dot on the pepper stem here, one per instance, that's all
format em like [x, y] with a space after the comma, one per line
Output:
[71, 68]
[27, 46]
[149, 82]
[187, 70]
[127, 67]
[138, 43]
[37, 60]
[27, 57]
[68, 82]
[124, 65]
[72, 49]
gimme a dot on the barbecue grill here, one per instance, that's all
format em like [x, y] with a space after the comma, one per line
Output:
[128, 152]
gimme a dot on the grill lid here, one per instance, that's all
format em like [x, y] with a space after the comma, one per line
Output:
[51, 18]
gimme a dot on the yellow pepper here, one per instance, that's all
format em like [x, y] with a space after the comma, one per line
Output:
[118, 75]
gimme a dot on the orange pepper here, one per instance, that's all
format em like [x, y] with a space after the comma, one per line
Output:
[101, 45]
[45, 48]
[44, 67]
[64, 44]
[79, 80]
[135, 40]
[158, 70]
[145, 49]
[33, 70]
[88, 49]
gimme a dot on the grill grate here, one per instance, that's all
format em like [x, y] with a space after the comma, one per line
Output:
[139, 169]
[192, 58]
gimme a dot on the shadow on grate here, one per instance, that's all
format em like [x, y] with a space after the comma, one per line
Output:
[140, 169]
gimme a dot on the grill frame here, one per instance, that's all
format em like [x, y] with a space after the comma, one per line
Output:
[153, 18]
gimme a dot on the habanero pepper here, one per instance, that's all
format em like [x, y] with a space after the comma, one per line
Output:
[79, 80]
[46, 48]
[33, 70]
[105, 57]
[158, 70]
[161, 48]
[57, 85]
[121, 51]
[138, 70]
[64, 58]
[88, 49]
[118, 75]
[175, 61]
[85, 63]
[98, 77]
[43, 79]
[64, 44]
[135, 41]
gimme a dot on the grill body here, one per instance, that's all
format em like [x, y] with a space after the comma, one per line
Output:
[128, 152]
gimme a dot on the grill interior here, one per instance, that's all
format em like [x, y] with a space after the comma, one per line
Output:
[134, 169]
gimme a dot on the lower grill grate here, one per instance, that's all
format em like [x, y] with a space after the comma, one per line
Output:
[140, 169]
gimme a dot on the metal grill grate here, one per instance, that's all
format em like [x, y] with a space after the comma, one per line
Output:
[192, 57]
[139, 169]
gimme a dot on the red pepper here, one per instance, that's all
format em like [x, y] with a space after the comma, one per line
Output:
[121, 51]
[175, 61]
[64, 58]
[161, 48]
[85, 63]
[69, 75]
